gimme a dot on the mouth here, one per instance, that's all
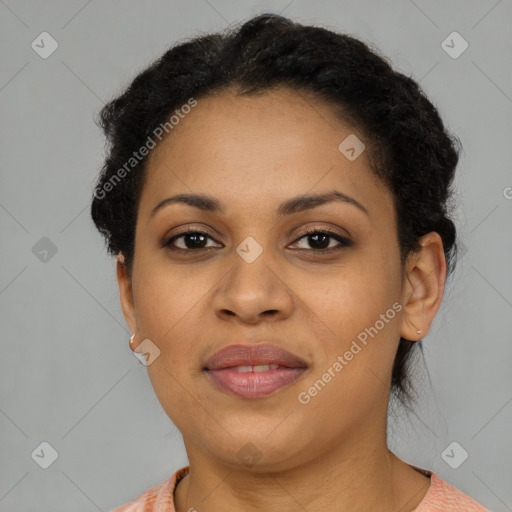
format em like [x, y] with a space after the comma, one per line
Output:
[253, 371]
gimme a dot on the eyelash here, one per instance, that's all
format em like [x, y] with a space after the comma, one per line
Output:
[344, 242]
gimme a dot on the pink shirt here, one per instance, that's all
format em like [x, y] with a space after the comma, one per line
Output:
[441, 497]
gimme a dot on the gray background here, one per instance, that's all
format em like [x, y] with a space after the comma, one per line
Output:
[67, 374]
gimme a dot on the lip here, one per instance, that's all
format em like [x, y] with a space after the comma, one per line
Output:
[254, 354]
[222, 369]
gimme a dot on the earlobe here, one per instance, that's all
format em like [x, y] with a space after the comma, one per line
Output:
[423, 287]
[126, 293]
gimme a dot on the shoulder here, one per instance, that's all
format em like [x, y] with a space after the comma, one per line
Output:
[159, 497]
[442, 497]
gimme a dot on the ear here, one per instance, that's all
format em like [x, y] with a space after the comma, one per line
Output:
[125, 293]
[423, 287]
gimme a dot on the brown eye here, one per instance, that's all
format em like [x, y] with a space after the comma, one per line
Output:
[192, 241]
[320, 240]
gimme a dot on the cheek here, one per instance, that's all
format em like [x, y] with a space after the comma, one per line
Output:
[170, 305]
[354, 297]
[166, 297]
[361, 308]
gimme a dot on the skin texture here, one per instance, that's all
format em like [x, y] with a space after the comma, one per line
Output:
[252, 153]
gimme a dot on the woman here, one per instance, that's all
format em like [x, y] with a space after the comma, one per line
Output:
[277, 199]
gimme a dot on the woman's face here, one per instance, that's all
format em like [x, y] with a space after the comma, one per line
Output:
[254, 278]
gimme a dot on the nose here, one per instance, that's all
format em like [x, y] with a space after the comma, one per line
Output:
[252, 292]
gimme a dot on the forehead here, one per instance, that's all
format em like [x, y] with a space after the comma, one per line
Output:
[258, 147]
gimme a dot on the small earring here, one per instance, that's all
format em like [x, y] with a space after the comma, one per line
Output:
[132, 337]
[419, 331]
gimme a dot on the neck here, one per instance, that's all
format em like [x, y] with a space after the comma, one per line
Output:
[368, 476]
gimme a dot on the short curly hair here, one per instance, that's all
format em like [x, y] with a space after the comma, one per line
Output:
[410, 151]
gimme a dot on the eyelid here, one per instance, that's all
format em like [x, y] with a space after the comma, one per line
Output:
[201, 229]
[328, 230]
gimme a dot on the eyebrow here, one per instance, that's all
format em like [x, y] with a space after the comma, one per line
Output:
[289, 207]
